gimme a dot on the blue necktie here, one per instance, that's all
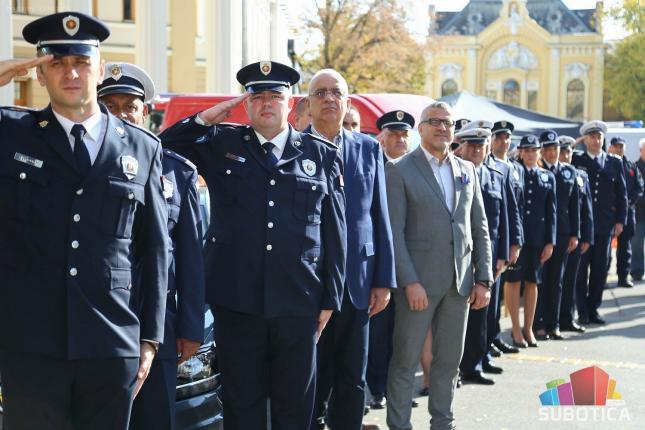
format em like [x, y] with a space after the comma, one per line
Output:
[271, 159]
[81, 155]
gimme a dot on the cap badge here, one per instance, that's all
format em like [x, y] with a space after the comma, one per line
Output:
[530, 139]
[503, 124]
[43, 123]
[464, 122]
[309, 167]
[130, 166]
[116, 72]
[481, 123]
[71, 24]
[400, 115]
[265, 67]
[551, 136]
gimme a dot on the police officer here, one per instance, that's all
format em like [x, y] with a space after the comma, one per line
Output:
[514, 193]
[125, 91]
[81, 206]
[634, 184]
[491, 179]
[275, 249]
[567, 320]
[539, 222]
[394, 130]
[458, 125]
[607, 182]
[546, 323]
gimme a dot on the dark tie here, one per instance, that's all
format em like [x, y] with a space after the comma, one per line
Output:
[597, 159]
[83, 162]
[271, 159]
[552, 168]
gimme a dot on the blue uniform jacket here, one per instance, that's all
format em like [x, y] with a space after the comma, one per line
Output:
[513, 193]
[276, 240]
[568, 200]
[540, 208]
[186, 295]
[634, 185]
[493, 192]
[69, 246]
[608, 191]
[370, 247]
[586, 207]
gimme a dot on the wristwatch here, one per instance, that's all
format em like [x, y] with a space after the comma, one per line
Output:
[487, 284]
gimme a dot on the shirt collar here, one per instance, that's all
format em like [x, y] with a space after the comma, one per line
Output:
[337, 140]
[92, 125]
[279, 141]
[434, 160]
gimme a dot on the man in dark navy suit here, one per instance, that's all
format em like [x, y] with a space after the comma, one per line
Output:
[275, 250]
[81, 210]
[607, 183]
[125, 92]
[342, 355]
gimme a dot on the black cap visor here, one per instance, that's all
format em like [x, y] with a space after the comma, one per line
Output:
[120, 89]
[259, 87]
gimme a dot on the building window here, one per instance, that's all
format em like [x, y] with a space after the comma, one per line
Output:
[129, 10]
[20, 7]
[491, 94]
[531, 101]
[448, 87]
[575, 99]
[20, 93]
[512, 92]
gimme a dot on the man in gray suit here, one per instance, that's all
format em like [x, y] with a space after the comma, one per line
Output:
[443, 265]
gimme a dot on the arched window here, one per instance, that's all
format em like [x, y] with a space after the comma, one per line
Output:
[448, 87]
[512, 92]
[575, 99]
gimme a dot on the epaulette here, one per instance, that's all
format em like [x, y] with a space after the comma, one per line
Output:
[18, 109]
[323, 140]
[144, 130]
[174, 155]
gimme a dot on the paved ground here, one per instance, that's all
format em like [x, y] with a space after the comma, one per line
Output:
[513, 403]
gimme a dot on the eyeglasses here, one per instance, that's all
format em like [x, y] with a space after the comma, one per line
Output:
[322, 93]
[436, 122]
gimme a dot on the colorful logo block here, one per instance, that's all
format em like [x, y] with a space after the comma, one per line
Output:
[590, 386]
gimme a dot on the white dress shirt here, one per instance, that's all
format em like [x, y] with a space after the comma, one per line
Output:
[279, 142]
[443, 174]
[95, 127]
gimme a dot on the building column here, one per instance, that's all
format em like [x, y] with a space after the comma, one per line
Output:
[471, 79]
[555, 92]
[183, 15]
[6, 49]
[84, 6]
[224, 46]
[152, 41]
[595, 101]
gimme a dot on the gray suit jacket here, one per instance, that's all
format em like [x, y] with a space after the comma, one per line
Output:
[432, 246]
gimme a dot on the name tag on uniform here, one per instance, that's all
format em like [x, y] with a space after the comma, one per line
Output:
[130, 166]
[235, 157]
[28, 160]
[168, 187]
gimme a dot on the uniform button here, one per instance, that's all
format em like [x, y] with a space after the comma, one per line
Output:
[270, 225]
[228, 172]
[528, 212]
[77, 217]
[530, 182]
[75, 244]
[22, 175]
[528, 201]
[315, 259]
[73, 271]
[272, 182]
[596, 191]
[213, 239]
[313, 188]
[269, 247]
[530, 191]
[79, 191]
[130, 196]
[271, 203]
[595, 199]
[597, 183]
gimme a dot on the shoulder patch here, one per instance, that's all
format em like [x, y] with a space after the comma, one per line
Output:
[174, 155]
[321, 139]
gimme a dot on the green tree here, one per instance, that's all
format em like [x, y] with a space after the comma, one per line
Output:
[368, 43]
[631, 14]
[625, 76]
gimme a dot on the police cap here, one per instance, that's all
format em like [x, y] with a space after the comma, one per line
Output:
[529, 141]
[267, 76]
[549, 138]
[460, 123]
[395, 120]
[593, 126]
[617, 141]
[66, 33]
[478, 123]
[503, 127]
[126, 78]
[475, 136]
[566, 142]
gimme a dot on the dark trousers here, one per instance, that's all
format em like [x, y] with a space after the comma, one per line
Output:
[569, 281]
[475, 344]
[592, 276]
[45, 393]
[624, 253]
[342, 361]
[380, 349]
[266, 358]
[154, 406]
[547, 316]
[492, 316]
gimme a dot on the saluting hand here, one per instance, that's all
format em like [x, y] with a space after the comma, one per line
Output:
[221, 111]
[186, 348]
[417, 296]
[479, 297]
[379, 298]
[145, 362]
[9, 69]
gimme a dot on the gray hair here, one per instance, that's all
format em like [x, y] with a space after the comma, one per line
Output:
[437, 104]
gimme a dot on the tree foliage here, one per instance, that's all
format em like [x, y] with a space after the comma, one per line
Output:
[625, 76]
[368, 43]
[631, 14]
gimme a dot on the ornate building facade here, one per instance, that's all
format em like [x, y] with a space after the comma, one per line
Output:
[534, 54]
[185, 45]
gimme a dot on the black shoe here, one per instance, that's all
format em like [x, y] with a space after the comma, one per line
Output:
[556, 335]
[490, 367]
[637, 278]
[597, 319]
[505, 347]
[424, 391]
[583, 321]
[521, 344]
[494, 351]
[378, 401]
[574, 326]
[415, 404]
[371, 427]
[542, 336]
[366, 410]
[626, 284]
[477, 378]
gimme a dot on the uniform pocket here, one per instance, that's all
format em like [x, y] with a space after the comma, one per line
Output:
[120, 205]
[308, 197]
[120, 279]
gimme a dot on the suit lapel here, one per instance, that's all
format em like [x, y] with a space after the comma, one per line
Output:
[351, 151]
[456, 177]
[291, 148]
[421, 162]
[49, 126]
